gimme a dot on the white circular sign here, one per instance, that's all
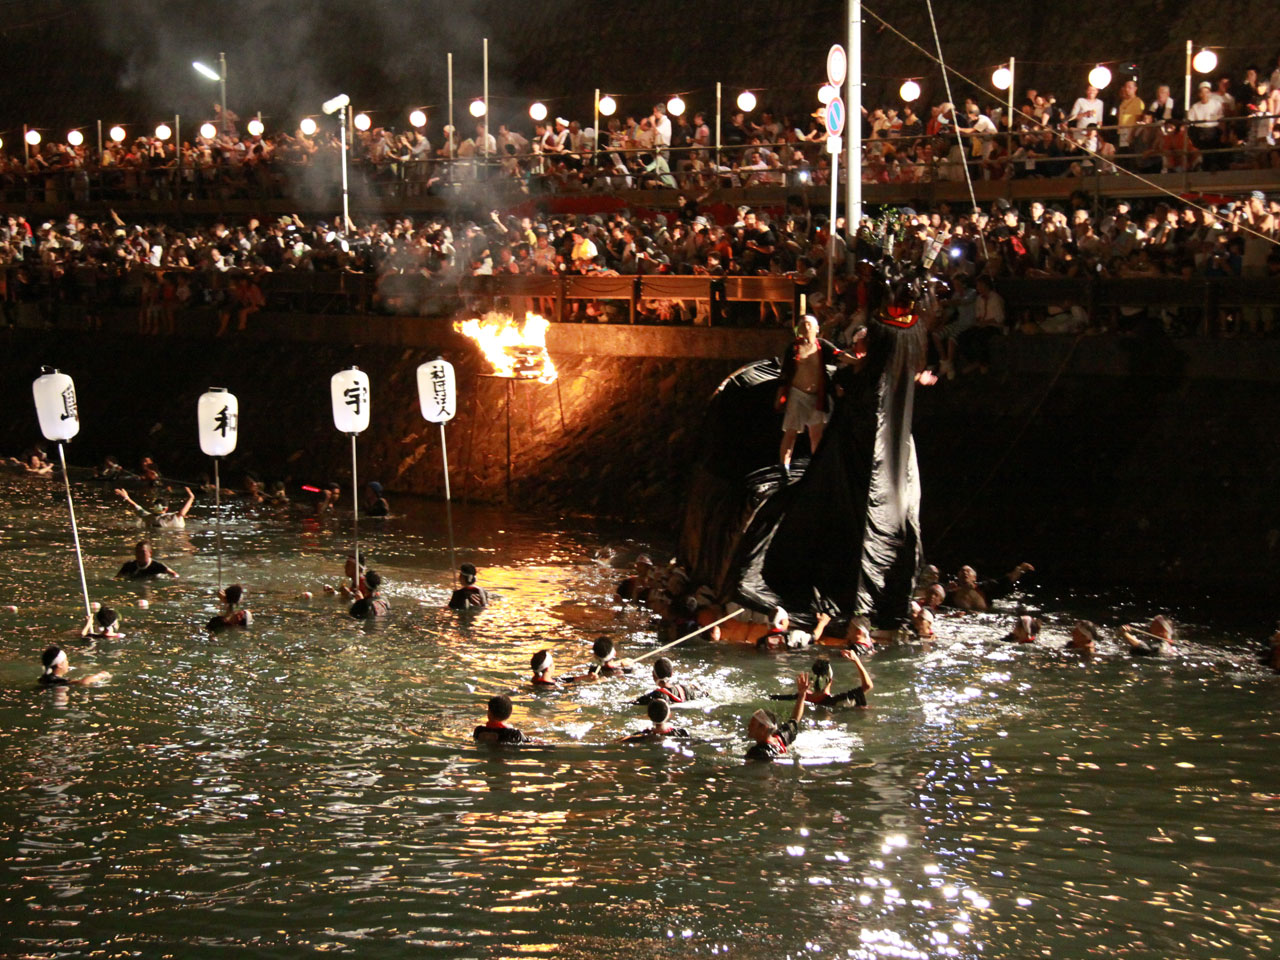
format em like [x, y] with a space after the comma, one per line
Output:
[837, 65]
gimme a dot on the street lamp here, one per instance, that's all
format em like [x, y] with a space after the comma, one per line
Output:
[219, 76]
[339, 105]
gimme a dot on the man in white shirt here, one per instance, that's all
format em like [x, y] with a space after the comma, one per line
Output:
[661, 124]
[1203, 119]
[1086, 110]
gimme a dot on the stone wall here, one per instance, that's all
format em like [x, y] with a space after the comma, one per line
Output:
[1149, 463]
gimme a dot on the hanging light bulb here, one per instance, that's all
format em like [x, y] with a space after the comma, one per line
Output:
[254, 127]
[207, 130]
[1099, 77]
[909, 91]
[418, 118]
[746, 101]
[1206, 61]
[478, 108]
[362, 121]
[308, 126]
[33, 137]
[675, 106]
[607, 106]
[1001, 78]
[163, 132]
[537, 111]
[826, 93]
[75, 138]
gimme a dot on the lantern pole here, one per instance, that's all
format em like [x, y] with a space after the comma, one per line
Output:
[75, 532]
[355, 504]
[831, 224]
[448, 500]
[217, 517]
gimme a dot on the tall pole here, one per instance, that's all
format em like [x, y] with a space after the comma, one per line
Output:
[1012, 85]
[718, 92]
[1186, 88]
[101, 155]
[75, 533]
[449, 167]
[484, 143]
[26, 150]
[448, 500]
[222, 88]
[355, 507]
[831, 227]
[346, 212]
[853, 123]
[596, 143]
[217, 517]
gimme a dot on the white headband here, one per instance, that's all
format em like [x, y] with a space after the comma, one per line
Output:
[58, 661]
[763, 718]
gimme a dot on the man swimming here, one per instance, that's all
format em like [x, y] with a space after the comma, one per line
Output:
[608, 663]
[374, 503]
[468, 596]
[858, 636]
[231, 615]
[1157, 641]
[660, 715]
[967, 592]
[57, 666]
[820, 694]
[1026, 629]
[1085, 636]
[159, 516]
[102, 625]
[542, 664]
[371, 605]
[771, 737]
[496, 730]
[144, 566]
[667, 689]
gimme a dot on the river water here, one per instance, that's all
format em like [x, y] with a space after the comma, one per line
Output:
[310, 785]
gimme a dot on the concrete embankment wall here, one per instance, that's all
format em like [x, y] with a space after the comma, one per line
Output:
[1147, 463]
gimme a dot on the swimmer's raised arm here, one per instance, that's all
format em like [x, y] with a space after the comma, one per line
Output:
[802, 687]
[863, 676]
[186, 507]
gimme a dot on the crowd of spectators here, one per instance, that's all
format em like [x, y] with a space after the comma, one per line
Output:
[1232, 123]
[408, 266]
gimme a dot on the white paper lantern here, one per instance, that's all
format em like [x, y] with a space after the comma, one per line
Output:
[1001, 77]
[1099, 77]
[437, 391]
[418, 118]
[218, 414]
[75, 138]
[538, 111]
[207, 130]
[746, 101]
[675, 106]
[607, 106]
[349, 391]
[55, 395]
[1206, 61]
[308, 126]
[909, 91]
[255, 127]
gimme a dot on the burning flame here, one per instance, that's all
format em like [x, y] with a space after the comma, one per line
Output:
[514, 349]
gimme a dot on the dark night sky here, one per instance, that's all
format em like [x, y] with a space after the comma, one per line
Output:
[71, 62]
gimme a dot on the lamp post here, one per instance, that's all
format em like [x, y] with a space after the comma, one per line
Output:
[220, 76]
[339, 105]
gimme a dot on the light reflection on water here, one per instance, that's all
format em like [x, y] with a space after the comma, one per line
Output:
[310, 785]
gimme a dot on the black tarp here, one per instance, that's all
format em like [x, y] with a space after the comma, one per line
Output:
[844, 538]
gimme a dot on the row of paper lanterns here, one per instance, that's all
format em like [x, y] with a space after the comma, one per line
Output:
[1206, 61]
[218, 410]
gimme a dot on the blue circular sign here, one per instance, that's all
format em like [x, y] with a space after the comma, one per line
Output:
[835, 117]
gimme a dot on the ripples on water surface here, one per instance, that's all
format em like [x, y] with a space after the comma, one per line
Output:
[310, 785]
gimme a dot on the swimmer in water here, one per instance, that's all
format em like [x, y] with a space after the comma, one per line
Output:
[374, 503]
[34, 463]
[371, 605]
[1085, 636]
[496, 730]
[468, 596]
[928, 577]
[820, 694]
[102, 625]
[1025, 630]
[231, 615]
[1158, 641]
[110, 469]
[542, 664]
[660, 715]
[771, 737]
[858, 636]
[666, 688]
[57, 666]
[776, 638]
[354, 586]
[967, 592]
[159, 516]
[636, 587]
[921, 621]
[278, 495]
[144, 566]
[607, 664]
